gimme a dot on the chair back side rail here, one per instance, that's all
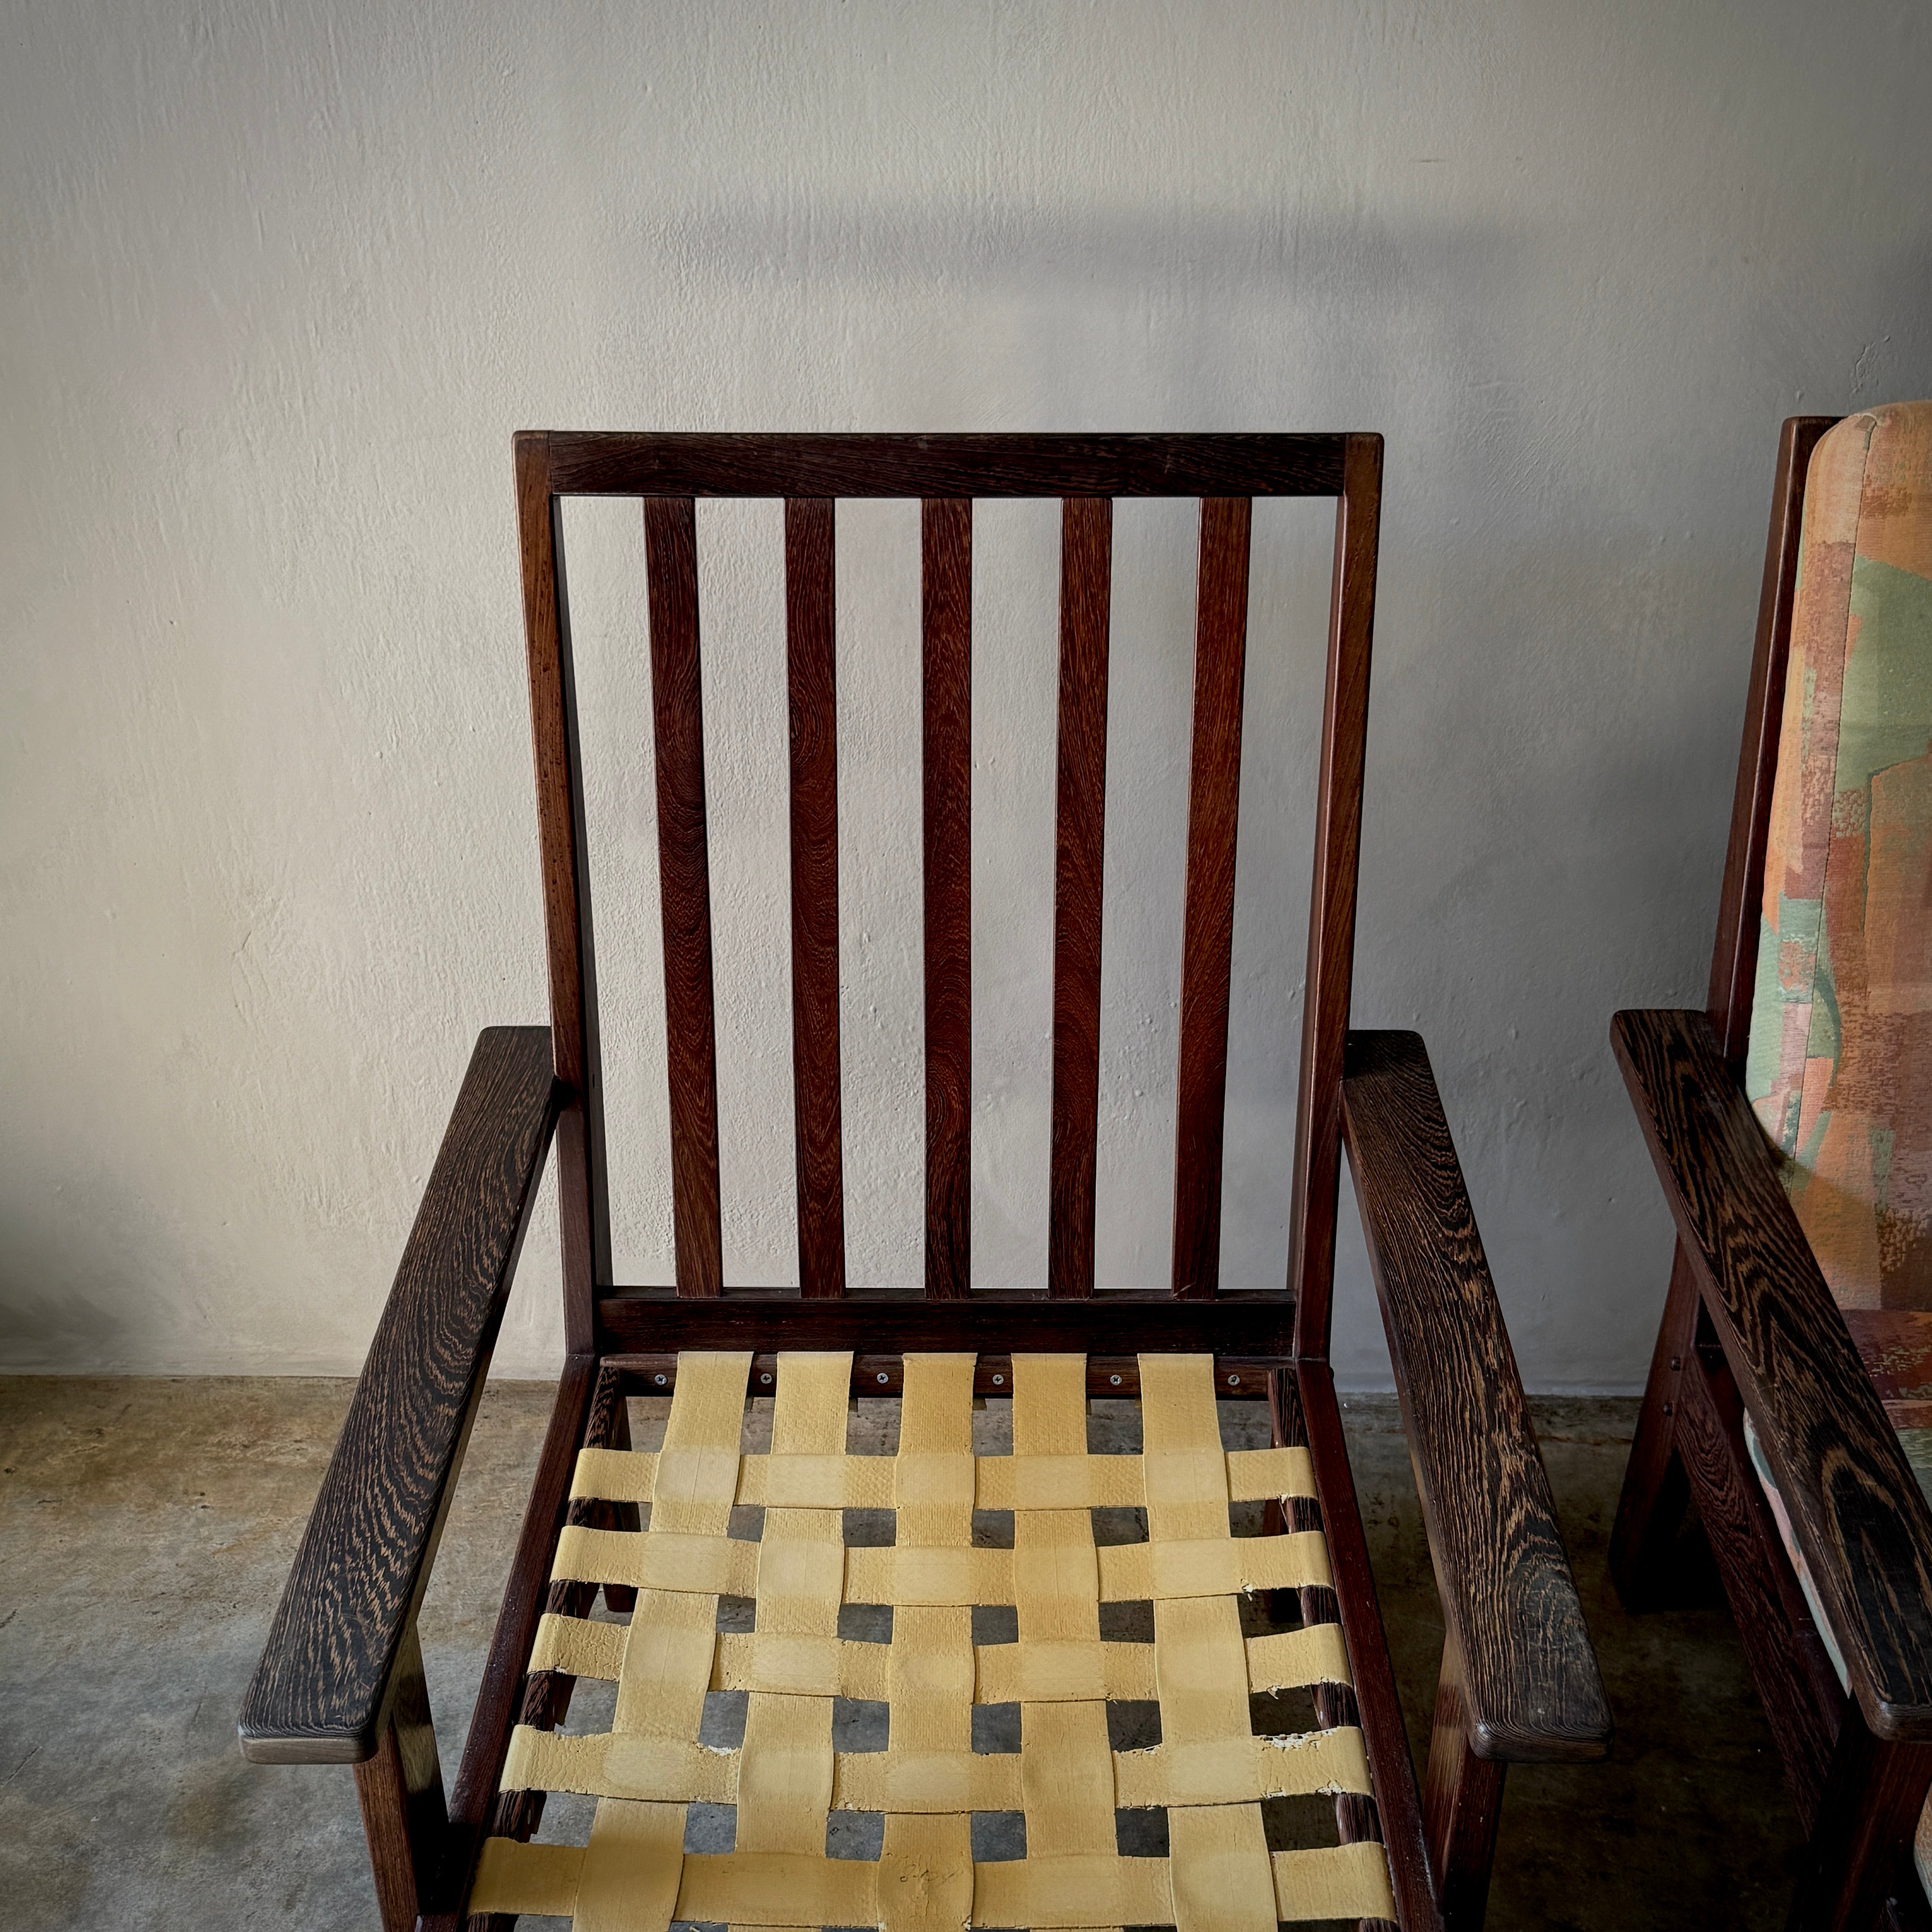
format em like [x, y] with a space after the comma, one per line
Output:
[1331, 926]
[583, 1207]
[1670, 1459]
[1734, 956]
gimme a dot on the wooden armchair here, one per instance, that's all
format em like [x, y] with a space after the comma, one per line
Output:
[1790, 1127]
[1263, 1652]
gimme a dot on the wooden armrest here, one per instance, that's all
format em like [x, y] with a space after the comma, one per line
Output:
[1854, 1506]
[319, 1692]
[1531, 1690]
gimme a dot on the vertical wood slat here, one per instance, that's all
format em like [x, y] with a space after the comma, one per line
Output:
[1214, 799]
[1086, 566]
[670, 562]
[583, 1205]
[946, 627]
[812, 689]
[1331, 924]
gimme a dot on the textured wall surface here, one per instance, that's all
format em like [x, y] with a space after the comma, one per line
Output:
[278, 283]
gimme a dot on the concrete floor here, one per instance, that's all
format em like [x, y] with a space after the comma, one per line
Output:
[146, 1527]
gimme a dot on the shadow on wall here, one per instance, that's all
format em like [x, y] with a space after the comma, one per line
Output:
[1377, 304]
[41, 1332]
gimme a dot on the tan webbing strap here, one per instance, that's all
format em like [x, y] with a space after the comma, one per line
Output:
[1333, 1882]
[1289, 1660]
[1208, 1756]
[1066, 1763]
[929, 1841]
[628, 1876]
[784, 1785]
[576, 1645]
[632, 1865]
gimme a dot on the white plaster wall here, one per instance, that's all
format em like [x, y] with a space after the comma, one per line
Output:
[277, 282]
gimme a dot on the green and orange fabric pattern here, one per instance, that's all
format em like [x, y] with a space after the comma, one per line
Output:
[1839, 1069]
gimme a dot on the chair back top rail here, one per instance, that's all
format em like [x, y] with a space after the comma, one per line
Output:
[612, 463]
[668, 472]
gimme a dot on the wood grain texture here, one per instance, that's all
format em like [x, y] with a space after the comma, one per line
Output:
[1398, 1804]
[1331, 921]
[684, 878]
[1207, 938]
[319, 1692]
[1895, 1344]
[1655, 1490]
[811, 684]
[1461, 1805]
[1855, 1507]
[1086, 576]
[583, 1201]
[500, 1698]
[1107, 1324]
[1859, 1855]
[606, 464]
[946, 704]
[399, 1791]
[1789, 1663]
[1529, 1682]
[1734, 958]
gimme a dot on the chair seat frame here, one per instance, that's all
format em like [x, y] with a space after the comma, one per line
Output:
[341, 1679]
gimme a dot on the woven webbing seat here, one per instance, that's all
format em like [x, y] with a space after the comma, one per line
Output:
[1210, 1772]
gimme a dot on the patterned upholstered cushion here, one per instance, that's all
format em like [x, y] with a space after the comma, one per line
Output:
[1840, 1062]
[1840, 1065]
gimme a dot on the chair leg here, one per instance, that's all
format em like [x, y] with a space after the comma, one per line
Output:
[1462, 1800]
[1656, 1489]
[1861, 1847]
[399, 1790]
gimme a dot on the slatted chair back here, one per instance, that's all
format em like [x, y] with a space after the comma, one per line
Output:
[668, 473]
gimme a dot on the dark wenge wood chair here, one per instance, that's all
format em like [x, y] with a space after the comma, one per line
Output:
[1791, 1124]
[1245, 1629]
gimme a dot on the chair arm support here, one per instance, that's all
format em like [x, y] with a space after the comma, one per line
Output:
[1854, 1506]
[1531, 1692]
[320, 1692]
